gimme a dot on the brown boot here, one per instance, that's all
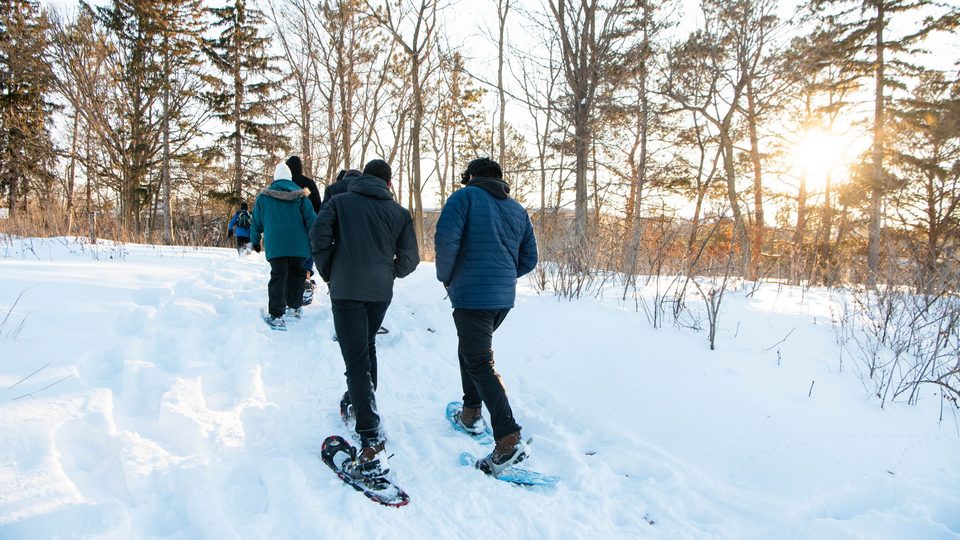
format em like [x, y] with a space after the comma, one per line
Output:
[371, 462]
[510, 450]
[471, 420]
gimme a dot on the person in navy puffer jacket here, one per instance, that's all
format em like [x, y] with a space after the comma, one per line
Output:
[484, 242]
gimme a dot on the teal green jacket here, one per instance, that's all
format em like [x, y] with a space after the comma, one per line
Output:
[282, 216]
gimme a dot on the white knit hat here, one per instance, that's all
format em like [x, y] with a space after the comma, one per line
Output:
[282, 172]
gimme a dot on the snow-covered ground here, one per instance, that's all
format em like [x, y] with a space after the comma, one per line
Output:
[161, 406]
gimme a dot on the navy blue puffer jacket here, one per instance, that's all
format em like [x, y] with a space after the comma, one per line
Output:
[484, 242]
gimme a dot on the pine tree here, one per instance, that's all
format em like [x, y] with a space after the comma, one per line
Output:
[134, 29]
[243, 96]
[26, 149]
[180, 24]
[926, 160]
[870, 46]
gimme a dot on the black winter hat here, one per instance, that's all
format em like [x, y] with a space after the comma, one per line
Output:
[296, 166]
[353, 172]
[481, 168]
[243, 206]
[379, 168]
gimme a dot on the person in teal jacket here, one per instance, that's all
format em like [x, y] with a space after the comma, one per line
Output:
[282, 216]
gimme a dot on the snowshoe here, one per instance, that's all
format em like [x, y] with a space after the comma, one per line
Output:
[275, 323]
[479, 431]
[308, 292]
[341, 456]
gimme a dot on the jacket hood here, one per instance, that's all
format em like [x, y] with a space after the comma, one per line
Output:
[371, 186]
[495, 186]
[285, 190]
[296, 166]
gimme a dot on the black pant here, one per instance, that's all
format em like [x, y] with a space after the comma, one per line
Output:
[286, 284]
[481, 382]
[356, 324]
[242, 242]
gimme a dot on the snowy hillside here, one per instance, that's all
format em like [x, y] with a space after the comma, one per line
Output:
[141, 396]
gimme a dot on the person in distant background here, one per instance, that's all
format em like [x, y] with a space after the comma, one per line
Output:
[484, 242]
[283, 216]
[240, 225]
[296, 169]
[342, 184]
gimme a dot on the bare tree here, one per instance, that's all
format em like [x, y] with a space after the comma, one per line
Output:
[418, 43]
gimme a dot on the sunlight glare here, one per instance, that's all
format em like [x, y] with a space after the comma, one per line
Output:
[820, 153]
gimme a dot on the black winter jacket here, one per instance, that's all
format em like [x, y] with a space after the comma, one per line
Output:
[363, 240]
[340, 186]
[296, 168]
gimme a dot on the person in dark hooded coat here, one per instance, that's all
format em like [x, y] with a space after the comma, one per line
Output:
[342, 185]
[484, 241]
[362, 241]
[296, 169]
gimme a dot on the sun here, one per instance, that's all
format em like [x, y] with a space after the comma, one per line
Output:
[820, 154]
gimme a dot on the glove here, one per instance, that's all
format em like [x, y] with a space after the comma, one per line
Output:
[256, 247]
[230, 233]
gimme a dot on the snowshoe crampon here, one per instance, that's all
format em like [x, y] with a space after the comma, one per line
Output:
[513, 475]
[336, 452]
[454, 409]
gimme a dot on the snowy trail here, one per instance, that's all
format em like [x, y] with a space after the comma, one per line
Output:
[183, 416]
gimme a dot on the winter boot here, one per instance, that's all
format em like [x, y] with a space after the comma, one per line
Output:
[470, 420]
[510, 450]
[308, 291]
[371, 462]
[296, 313]
[346, 409]
[277, 323]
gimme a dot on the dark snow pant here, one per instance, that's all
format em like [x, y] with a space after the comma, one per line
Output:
[356, 324]
[242, 242]
[286, 284]
[481, 382]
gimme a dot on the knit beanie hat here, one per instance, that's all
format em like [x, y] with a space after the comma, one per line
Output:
[379, 168]
[282, 172]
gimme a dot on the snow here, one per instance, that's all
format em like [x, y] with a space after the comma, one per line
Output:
[179, 414]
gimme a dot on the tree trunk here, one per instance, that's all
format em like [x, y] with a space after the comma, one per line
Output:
[503, 6]
[167, 217]
[237, 105]
[417, 184]
[873, 249]
[731, 178]
[756, 243]
[72, 178]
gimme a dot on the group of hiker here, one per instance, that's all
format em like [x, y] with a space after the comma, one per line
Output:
[361, 240]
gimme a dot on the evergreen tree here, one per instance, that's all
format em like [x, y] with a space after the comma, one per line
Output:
[926, 161]
[870, 46]
[180, 27]
[134, 29]
[242, 96]
[26, 149]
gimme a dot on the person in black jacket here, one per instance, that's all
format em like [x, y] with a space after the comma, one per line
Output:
[342, 184]
[362, 241]
[296, 168]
